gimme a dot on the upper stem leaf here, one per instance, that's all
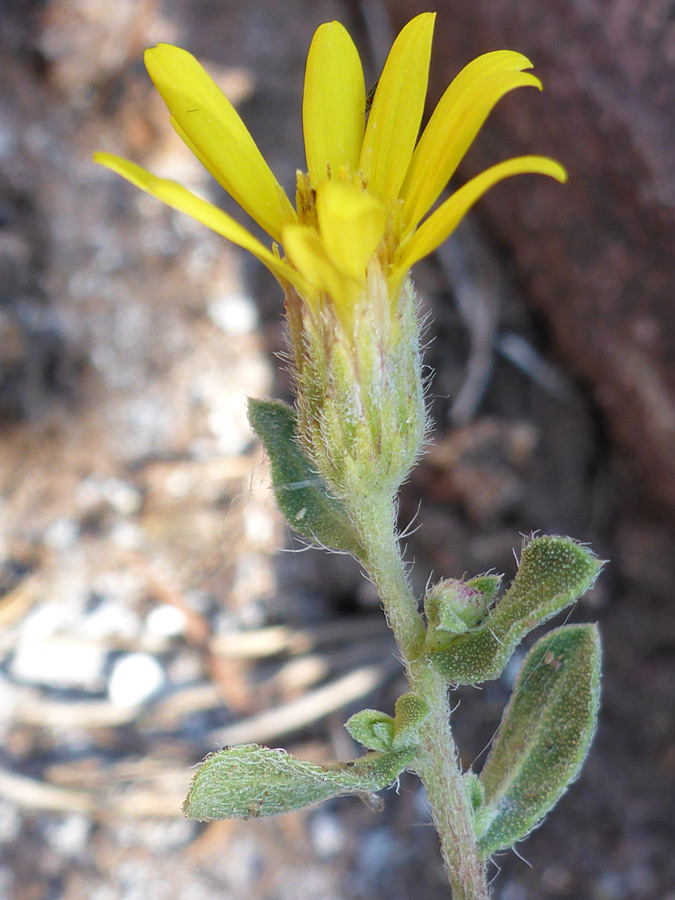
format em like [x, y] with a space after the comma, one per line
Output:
[553, 573]
[300, 492]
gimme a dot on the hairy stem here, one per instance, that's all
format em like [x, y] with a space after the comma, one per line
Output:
[438, 765]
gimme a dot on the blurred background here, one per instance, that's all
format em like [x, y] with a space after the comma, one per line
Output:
[149, 608]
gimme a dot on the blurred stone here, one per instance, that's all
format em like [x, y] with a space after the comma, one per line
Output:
[112, 617]
[134, 679]
[327, 835]
[59, 661]
[234, 313]
[165, 621]
[62, 534]
[159, 836]
[69, 835]
[122, 497]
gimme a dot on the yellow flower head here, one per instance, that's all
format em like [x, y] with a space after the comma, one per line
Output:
[370, 183]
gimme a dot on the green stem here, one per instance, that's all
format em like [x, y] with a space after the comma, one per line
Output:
[438, 765]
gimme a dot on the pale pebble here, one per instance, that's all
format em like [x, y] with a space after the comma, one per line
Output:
[134, 679]
[235, 314]
[60, 661]
[166, 621]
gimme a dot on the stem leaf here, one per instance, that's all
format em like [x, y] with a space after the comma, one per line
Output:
[299, 491]
[249, 781]
[553, 573]
[410, 713]
[544, 735]
[372, 728]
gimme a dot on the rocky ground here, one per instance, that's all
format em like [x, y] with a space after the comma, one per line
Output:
[150, 609]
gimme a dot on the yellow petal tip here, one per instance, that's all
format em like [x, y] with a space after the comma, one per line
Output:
[558, 172]
[151, 52]
[333, 25]
[161, 47]
[109, 160]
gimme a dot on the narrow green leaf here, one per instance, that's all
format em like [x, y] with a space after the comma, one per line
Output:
[249, 781]
[544, 736]
[553, 573]
[299, 491]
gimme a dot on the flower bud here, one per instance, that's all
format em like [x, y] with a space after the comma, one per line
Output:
[457, 606]
[360, 392]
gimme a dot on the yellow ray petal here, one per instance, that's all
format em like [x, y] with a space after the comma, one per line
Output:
[333, 104]
[178, 197]
[308, 254]
[203, 114]
[394, 120]
[195, 150]
[445, 219]
[454, 124]
[351, 223]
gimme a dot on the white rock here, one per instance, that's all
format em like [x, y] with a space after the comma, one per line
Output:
[61, 534]
[127, 534]
[259, 525]
[228, 423]
[51, 616]
[327, 834]
[111, 619]
[134, 679]
[235, 314]
[123, 497]
[148, 424]
[69, 836]
[161, 836]
[166, 621]
[60, 661]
